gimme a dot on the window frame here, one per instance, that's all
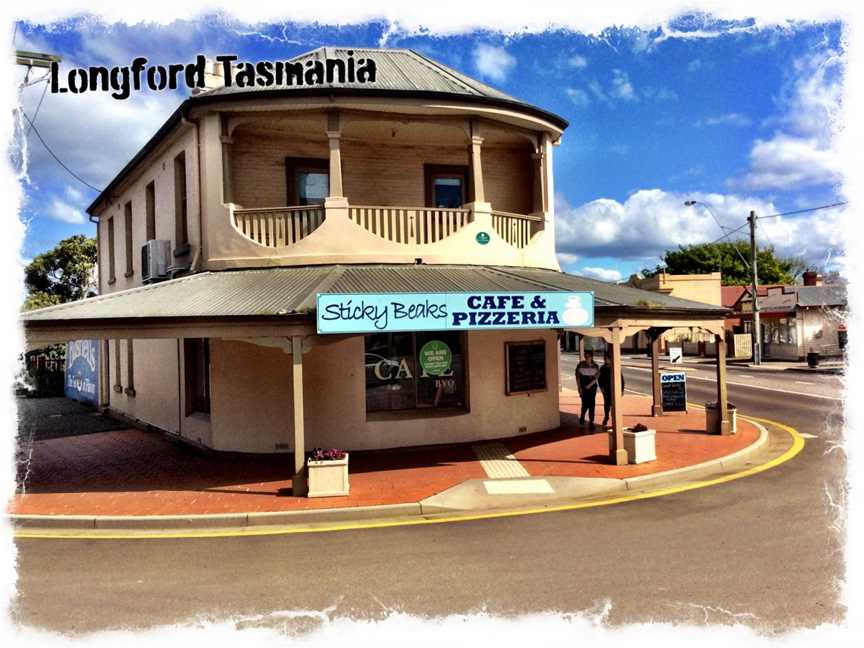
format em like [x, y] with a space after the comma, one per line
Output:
[127, 232]
[181, 206]
[296, 165]
[432, 172]
[191, 368]
[150, 210]
[425, 411]
[112, 277]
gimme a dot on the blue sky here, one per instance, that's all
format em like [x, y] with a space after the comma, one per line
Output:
[739, 120]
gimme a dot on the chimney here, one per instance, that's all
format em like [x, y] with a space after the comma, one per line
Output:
[213, 76]
[812, 278]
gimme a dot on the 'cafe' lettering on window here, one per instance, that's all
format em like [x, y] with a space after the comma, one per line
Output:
[371, 313]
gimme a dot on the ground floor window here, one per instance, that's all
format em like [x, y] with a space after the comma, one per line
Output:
[779, 331]
[525, 366]
[414, 371]
[196, 362]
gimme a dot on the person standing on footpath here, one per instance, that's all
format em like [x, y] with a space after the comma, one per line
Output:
[604, 381]
[586, 379]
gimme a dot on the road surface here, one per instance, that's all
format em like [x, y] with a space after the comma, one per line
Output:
[762, 550]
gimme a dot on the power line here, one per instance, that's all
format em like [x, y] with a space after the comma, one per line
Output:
[729, 233]
[38, 106]
[54, 155]
[804, 211]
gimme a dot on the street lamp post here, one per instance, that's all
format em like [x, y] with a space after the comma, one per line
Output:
[754, 274]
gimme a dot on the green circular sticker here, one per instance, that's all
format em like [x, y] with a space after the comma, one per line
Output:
[435, 358]
[482, 238]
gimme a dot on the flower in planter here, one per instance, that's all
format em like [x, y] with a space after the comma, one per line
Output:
[639, 427]
[333, 454]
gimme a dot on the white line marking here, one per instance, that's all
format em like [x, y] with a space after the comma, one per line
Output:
[774, 389]
[497, 462]
[807, 435]
[518, 487]
[804, 382]
[745, 375]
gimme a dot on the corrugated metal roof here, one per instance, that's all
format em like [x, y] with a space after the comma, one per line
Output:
[830, 295]
[395, 70]
[292, 291]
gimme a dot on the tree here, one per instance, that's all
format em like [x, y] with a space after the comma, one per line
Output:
[711, 257]
[62, 274]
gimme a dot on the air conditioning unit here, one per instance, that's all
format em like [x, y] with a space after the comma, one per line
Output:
[155, 261]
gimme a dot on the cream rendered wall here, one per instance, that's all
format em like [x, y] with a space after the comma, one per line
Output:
[156, 400]
[252, 409]
[160, 170]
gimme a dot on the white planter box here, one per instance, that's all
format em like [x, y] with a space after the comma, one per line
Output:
[640, 446]
[328, 478]
[712, 420]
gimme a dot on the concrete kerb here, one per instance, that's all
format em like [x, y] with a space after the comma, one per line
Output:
[410, 510]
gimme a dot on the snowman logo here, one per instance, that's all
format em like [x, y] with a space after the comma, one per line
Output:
[574, 313]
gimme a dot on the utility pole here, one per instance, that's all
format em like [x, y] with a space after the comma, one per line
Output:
[757, 328]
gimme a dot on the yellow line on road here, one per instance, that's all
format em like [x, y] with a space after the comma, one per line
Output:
[792, 451]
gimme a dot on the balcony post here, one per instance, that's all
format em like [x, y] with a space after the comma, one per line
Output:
[539, 203]
[478, 195]
[334, 135]
[227, 180]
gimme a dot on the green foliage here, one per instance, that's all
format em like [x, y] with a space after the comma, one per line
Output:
[62, 274]
[711, 257]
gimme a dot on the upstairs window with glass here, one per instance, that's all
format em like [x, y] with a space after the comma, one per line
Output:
[308, 180]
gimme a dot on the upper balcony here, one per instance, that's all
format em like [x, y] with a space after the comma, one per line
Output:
[343, 186]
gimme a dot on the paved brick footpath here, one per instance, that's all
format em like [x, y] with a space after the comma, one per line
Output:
[132, 472]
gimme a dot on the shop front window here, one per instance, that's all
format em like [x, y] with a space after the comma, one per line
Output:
[407, 371]
[780, 331]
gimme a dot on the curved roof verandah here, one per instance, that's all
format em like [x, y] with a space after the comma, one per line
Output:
[276, 307]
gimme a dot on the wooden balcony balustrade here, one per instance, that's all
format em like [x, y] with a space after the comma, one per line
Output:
[410, 225]
[278, 226]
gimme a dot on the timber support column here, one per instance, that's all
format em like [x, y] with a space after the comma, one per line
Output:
[298, 482]
[478, 192]
[722, 400]
[334, 136]
[617, 452]
[657, 407]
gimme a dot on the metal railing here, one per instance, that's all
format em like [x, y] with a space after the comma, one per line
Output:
[410, 225]
[516, 229]
[278, 226]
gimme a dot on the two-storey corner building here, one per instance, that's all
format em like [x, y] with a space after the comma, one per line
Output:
[249, 203]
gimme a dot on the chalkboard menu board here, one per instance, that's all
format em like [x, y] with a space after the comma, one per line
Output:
[526, 366]
[673, 388]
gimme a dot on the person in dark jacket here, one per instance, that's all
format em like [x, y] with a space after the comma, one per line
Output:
[604, 381]
[586, 379]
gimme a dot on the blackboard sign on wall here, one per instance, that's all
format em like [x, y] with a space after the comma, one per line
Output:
[526, 366]
[673, 388]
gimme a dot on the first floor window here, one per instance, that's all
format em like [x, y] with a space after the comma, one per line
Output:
[197, 373]
[414, 371]
[308, 180]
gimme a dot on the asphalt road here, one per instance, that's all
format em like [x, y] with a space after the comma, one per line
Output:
[764, 550]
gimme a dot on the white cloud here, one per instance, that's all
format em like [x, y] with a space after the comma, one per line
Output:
[621, 86]
[803, 152]
[493, 62]
[694, 65]
[727, 119]
[786, 162]
[578, 62]
[63, 211]
[603, 274]
[579, 97]
[652, 221]
[92, 133]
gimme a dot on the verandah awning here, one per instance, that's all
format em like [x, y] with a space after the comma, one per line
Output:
[275, 302]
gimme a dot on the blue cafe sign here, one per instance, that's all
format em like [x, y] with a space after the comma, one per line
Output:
[82, 370]
[377, 312]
